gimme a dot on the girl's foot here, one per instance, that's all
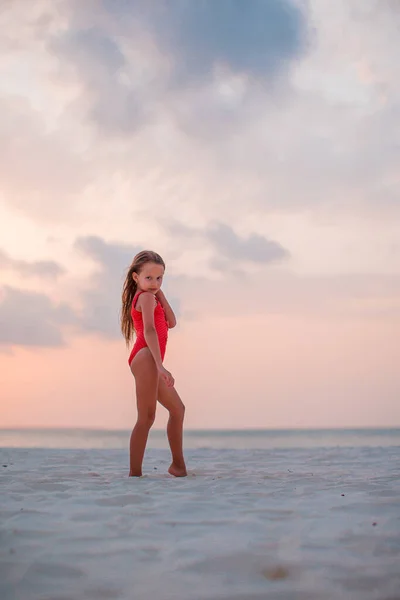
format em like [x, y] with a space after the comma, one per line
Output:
[177, 471]
[135, 474]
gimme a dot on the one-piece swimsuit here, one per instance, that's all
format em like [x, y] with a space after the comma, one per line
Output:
[160, 323]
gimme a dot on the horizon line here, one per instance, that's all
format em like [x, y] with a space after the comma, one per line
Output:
[202, 429]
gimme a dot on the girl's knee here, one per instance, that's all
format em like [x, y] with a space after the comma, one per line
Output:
[151, 417]
[147, 420]
[178, 412]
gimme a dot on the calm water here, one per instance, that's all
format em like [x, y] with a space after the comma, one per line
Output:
[239, 439]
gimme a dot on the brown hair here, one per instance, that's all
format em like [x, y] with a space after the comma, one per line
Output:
[130, 287]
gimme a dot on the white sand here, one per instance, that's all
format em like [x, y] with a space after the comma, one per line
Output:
[248, 525]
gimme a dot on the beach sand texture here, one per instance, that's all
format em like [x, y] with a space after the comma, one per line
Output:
[245, 525]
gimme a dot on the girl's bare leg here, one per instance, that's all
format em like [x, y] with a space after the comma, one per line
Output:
[170, 399]
[145, 372]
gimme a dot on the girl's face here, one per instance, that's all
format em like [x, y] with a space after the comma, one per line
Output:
[150, 277]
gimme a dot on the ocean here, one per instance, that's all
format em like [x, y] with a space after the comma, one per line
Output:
[202, 439]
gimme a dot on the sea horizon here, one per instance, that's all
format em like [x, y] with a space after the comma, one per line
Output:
[188, 429]
[246, 438]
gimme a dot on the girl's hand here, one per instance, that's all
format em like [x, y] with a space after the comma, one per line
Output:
[169, 313]
[166, 375]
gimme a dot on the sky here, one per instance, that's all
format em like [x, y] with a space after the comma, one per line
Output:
[255, 146]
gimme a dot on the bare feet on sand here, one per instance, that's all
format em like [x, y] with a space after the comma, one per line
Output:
[177, 471]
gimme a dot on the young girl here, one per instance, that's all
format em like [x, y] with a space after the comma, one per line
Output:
[146, 312]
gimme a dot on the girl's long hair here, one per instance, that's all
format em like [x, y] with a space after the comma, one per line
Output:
[130, 287]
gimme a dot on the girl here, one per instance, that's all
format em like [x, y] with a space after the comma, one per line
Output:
[146, 312]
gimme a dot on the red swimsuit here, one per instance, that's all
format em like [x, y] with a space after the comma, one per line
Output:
[160, 324]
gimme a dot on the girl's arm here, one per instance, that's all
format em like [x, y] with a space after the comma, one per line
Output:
[169, 313]
[150, 335]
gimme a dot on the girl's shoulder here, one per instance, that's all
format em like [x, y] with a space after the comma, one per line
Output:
[136, 301]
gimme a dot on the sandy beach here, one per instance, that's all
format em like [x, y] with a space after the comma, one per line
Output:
[244, 525]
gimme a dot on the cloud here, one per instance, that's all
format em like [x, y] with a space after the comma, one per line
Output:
[107, 100]
[230, 247]
[255, 38]
[112, 257]
[48, 269]
[101, 299]
[129, 60]
[255, 248]
[32, 319]
[39, 170]
[159, 107]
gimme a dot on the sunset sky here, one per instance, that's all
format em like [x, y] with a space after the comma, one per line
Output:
[255, 144]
